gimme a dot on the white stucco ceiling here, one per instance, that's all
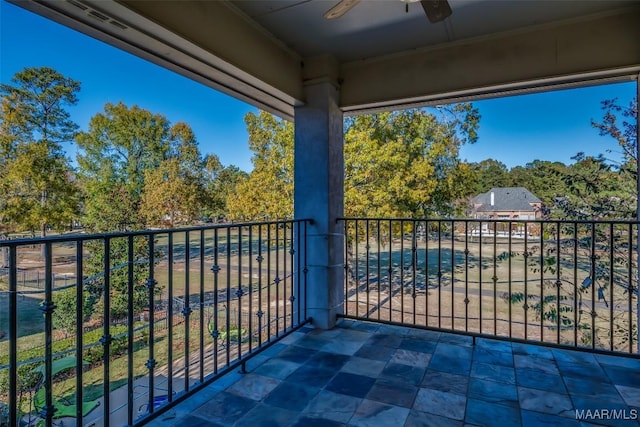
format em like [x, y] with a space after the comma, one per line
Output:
[375, 28]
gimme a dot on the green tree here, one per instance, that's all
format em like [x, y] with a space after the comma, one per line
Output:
[37, 186]
[396, 164]
[268, 192]
[64, 316]
[620, 123]
[121, 144]
[173, 192]
[405, 163]
[220, 184]
[489, 174]
[169, 197]
[122, 147]
[596, 188]
[545, 179]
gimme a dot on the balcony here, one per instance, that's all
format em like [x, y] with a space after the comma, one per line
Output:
[368, 374]
[444, 322]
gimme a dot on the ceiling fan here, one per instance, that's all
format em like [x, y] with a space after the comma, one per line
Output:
[436, 10]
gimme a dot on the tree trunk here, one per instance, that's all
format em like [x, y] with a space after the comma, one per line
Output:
[4, 254]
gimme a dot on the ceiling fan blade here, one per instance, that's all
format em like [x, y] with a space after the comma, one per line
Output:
[436, 10]
[341, 8]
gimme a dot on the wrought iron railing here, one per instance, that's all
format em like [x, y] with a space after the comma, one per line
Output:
[155, 316]
[562, 283]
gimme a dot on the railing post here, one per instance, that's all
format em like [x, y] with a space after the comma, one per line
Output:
[47, 307]
[13, 337]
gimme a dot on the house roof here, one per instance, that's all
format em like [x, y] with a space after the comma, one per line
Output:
[506, 199]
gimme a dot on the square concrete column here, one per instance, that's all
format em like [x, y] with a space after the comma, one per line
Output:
[319, 195]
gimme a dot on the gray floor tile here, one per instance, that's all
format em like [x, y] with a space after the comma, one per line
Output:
[498, 373]
[592, 372]
[631, 395]
[495, 392]
[536, 351]
[442, 362]
[193, 421]
[225, 408]
[292, 396]
[328, 360]
[312, 376]
[366, 327]
[393, 393]
[603, 391]
[384, 340]
[412, 358]
[622, 375]
[326, 334]
[540, 380]
[296, 354]
[398, 331]
[362, 366]
[343, 346]
[353, 335]
[292, 338]
[423, 334]
[440, 403]
[375, 414]
[375, 352]
[314, 342]
[410, 374]
[622, 362]
[386, 375]
[424, 419]
[316, 422]
[535, 364]
[277, 368]
[453, 350]
[545, 401]
[458, 340]
[274, 349]
[493, 356]
[493, 345]
[254, 387]
[445, 381]
[480, 413]
[350, 384]
[267, 416]
[333, 406]
[576, 357]
[535, 419]
[419, 345]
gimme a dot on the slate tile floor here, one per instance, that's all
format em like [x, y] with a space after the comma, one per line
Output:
[364, 374]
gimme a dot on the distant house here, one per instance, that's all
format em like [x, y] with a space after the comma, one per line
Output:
[507, 203]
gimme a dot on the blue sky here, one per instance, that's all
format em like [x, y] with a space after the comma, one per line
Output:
[515, 130]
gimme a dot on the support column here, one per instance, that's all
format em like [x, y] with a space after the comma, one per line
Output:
[319, 190]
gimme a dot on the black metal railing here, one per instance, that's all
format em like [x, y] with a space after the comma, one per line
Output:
[562, 283]
[152, 317]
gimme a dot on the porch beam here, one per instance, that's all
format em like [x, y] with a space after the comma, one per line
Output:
[601, 48]
[207, 41]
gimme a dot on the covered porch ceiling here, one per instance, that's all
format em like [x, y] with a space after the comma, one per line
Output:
[381, 54]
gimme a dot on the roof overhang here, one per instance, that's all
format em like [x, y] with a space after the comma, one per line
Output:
[218, 44]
